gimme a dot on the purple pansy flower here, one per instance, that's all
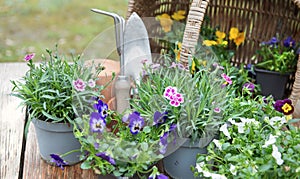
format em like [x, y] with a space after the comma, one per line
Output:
[29, 57]
[136, 123]
[273, 41]
[102, 108]
[163, 143]
[249, 86]
[58, 161]
[97, 123]
[284, 106]
[159, 118]
[172, 127]
[106, 157]
[289, 42]
[79, 84]
[160, 176]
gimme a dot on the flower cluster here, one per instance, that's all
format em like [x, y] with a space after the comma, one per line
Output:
[221, 43]
[234, 34]
[55, 89]
[123, 144]
[276, 55]
[254, 146]
[166, 21]
[175, 98]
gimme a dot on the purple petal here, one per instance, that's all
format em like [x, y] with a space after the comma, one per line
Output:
[104, 156]
[58, 161]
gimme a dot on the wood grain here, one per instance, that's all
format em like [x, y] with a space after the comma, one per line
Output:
[11, 121]
[35, 167]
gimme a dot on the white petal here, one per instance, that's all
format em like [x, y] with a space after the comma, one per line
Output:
[232, 169]
[272, 140]
[225, 130]
[217, 143]
[277, 155]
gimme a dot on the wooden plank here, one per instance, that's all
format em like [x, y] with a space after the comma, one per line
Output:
[11, 121]
[35, 167]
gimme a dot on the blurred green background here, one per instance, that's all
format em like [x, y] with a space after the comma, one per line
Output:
[33, 25]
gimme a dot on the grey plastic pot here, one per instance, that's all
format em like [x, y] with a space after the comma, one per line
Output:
[178, 164]
[56, 138]
[272, 83]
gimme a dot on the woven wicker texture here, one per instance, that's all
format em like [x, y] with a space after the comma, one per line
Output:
[259, 19]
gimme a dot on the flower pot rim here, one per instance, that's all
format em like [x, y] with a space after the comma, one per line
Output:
[51, 126]
[269, 71]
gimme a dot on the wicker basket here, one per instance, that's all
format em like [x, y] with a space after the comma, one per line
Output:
[260, 19]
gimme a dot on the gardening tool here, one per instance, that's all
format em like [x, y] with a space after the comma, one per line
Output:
[122, 85]
[136, 47]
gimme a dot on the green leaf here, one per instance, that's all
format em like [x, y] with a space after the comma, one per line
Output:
[85, 165]
[144, 146]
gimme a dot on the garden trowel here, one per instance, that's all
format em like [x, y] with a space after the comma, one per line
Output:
[136, 47]
[133, 48]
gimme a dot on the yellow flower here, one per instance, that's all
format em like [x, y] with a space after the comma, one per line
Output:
[233, 33]
[224, 43]
[240, 39]
[177, 51]
[220, 35]
[165, 22]
[209, 42]
[179, 15]
[193, 68]
[179, 44]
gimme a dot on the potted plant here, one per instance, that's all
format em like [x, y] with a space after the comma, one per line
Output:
[53, 92]
[257, 141]
[277, 61]
[194, 102]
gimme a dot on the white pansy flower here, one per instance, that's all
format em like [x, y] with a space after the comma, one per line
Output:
[241, 128]
[232, 169]
[277, 121]
[217, 143]
[277, 155]
[248, 121]
[225, 130]
[272, 140]
[231, 121]
[217, 176]
[199, 166]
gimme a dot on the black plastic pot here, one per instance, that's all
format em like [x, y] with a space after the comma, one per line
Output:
[272, 83]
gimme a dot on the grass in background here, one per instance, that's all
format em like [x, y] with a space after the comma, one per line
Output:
[33, 25]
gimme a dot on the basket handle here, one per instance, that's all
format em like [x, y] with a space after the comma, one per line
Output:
[192, 29]
[295, 95]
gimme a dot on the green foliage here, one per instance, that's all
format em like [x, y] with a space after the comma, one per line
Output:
[202, 94]
[247, 150]
[279, 56]
[133, 154]
[47, 89]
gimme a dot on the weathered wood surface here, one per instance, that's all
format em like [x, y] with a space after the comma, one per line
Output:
[35, 167]
[11, 121]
